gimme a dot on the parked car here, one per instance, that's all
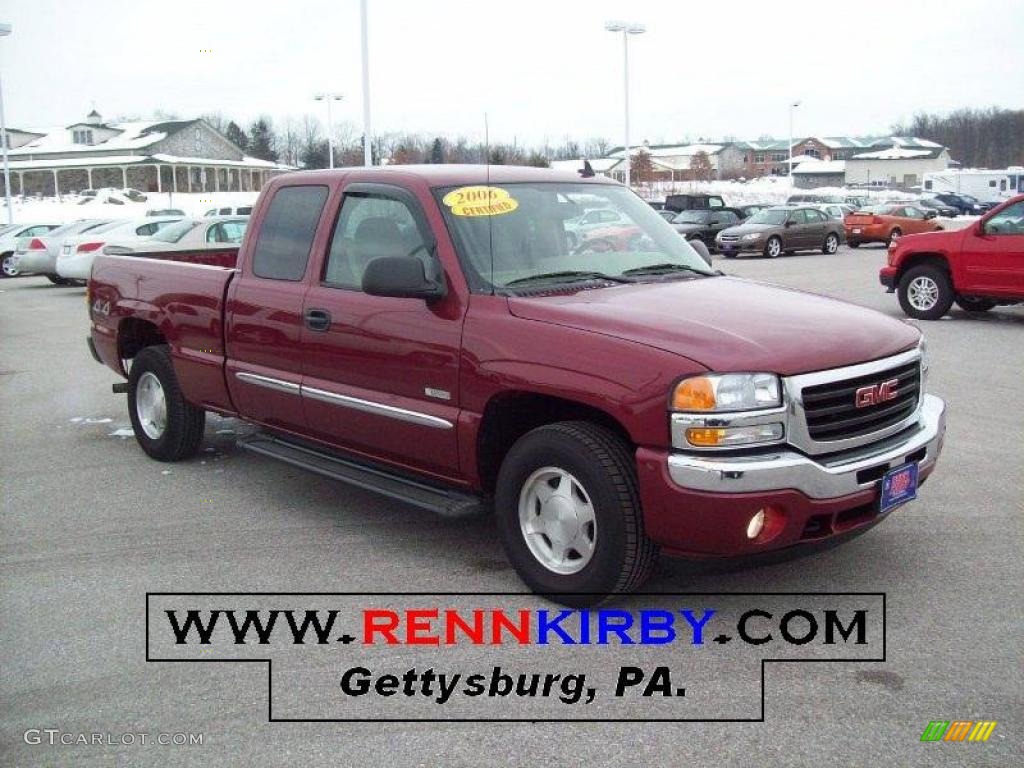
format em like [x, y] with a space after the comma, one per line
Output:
[977, 206]
[978, 267]
[857, 201]
[705, 225]
[690, 202]
[166, 212]
[212, 232]
[74, 262]
[599, 405]
[134, 195]
[885, 223]
[940, 208]
[961, 203]
[9, 243]
[230, 210]
[578, 228]
[782, 229]
[666, 214]
[38, 254]
[806, 198]
[836, 210]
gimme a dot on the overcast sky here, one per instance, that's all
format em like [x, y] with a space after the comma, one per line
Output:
[542, 70]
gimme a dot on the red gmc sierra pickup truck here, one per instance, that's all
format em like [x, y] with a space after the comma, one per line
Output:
[434, 333]
[978, 267]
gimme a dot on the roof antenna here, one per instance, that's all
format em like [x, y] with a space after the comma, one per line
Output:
[587, 171]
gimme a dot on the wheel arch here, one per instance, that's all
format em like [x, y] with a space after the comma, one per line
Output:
[135, 334]
[511, 414]
[925, 258]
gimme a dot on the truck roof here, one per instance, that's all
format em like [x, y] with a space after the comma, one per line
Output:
[444, 175]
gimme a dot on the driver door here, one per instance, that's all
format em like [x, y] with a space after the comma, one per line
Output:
[381, 373]
[993, 259]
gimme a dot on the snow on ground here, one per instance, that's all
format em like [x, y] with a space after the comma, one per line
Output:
[50, 210]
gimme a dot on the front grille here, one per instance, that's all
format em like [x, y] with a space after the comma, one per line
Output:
[729, 238]
[832, 412]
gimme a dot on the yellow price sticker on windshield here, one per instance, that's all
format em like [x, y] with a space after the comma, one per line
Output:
[480, 201]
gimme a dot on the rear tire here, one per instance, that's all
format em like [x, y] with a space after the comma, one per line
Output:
[167, 427]
[925, 292]
[831, 244]
[853, 243]
[569, 516]
[968, 304]
[894, 235]
[58, 280]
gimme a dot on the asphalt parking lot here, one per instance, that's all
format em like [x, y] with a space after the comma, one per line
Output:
[90, 525]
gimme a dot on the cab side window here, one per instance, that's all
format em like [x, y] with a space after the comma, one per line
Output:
[1009, 221]
[369, 227]
[286, 235]
[798, 216]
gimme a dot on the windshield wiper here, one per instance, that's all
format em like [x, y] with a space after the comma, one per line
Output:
[567, 276]
[664, 269]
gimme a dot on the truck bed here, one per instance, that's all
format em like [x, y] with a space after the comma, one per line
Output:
[181, 300]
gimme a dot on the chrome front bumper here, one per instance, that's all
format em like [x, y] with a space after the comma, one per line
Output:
[827, 478]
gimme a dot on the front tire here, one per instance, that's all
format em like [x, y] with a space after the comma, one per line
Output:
[569, 516]
[831, 244]
[58, 280]
[773, 248]
[167, 427]
[7, 268]
[925, 292]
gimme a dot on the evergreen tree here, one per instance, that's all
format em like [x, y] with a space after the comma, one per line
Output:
[437, 152]
[314, 155]
[237, 136]
[262, 140]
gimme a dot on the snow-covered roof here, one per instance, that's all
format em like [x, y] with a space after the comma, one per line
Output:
[74, 162]
[805, 159]
[895, 153]
[128, 136]
[670, 150]
[821, 166]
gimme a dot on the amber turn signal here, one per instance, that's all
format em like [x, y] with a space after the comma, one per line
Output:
[695, 394]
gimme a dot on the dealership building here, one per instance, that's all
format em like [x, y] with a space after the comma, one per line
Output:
[154, 156]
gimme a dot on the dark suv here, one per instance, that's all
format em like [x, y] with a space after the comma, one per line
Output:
[693, 202]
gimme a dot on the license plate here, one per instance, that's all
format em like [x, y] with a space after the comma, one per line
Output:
[898, 487]
[856, 230]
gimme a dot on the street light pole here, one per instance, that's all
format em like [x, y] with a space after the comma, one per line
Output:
[329, 97]
[5, 30]
[367, 132]
[627, 29]
[792, 108]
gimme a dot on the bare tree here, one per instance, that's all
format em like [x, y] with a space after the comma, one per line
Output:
[700, 167]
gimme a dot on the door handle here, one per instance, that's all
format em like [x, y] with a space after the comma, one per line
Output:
[318, 319]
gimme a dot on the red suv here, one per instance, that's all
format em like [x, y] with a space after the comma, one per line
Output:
[978, 267]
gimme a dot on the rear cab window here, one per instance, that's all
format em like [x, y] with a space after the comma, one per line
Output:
[286, 234]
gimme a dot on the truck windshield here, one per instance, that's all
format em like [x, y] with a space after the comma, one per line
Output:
[530, 233]
[692, 217]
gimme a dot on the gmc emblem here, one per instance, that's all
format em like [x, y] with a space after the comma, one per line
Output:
[873, 394]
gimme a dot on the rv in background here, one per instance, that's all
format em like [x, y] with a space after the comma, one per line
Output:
[988, 186]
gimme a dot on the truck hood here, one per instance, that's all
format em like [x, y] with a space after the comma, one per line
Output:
[728, 324]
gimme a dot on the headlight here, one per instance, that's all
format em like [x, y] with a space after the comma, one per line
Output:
[727, 392]
[753, 236]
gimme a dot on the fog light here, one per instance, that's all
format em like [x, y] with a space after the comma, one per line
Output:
[756, 525]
